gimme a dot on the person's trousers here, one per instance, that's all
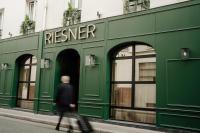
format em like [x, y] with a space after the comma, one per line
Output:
[61, 114]
[62, 111]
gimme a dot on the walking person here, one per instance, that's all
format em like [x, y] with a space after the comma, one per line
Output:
[64, 101]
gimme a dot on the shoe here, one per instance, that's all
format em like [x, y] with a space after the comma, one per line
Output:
[57, 128]
[70, 130]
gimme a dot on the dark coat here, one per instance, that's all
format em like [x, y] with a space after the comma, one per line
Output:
[65, 95]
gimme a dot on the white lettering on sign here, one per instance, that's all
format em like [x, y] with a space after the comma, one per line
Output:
[68, 34]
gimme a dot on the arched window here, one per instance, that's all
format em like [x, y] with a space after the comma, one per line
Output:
[133, 84]
[26, 81]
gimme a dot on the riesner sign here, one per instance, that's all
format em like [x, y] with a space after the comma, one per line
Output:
[68, 34]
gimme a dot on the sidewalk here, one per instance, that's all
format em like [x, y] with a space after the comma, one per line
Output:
[52, 120]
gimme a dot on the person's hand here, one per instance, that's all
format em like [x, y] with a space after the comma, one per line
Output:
[72, 105]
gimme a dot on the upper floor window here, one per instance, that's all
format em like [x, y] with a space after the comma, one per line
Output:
[31, 9]
[136, 5]
[73, 14]
[1, 22]
[76, 3]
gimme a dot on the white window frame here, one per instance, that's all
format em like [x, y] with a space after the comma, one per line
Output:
[136, 5]
[29, 12]
[76, 3]
[1, 22]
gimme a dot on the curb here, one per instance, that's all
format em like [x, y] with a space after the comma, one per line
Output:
[46, 122]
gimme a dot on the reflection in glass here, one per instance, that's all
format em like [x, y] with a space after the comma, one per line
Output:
[23, 90]
[144, 50]
[145, 69]
[125, 52]
[134, 115]
[34, 60]
[25, 104]
[122, 70]
[32, 91]
[24, 73]
[145, 95]
[33, 73]
[27, 61]
[121, 95]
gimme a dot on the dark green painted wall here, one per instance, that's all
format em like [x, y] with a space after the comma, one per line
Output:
[10, 50]
[166, 29]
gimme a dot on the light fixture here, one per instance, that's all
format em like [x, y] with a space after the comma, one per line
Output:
[45, 63]
[99, 14]
[10, 34]
[90, 60]
[185, 53]
[4, 66]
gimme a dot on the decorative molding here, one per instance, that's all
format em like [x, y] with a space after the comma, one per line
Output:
[167, 87]
[93, 103]
[179, 110]
[189, 116]
[180, 127]
[185, 106]
[91, 95]
[42, 102]
[94, 116]
[176, 126]
[44, 110]
[89, 99]
[154, 33]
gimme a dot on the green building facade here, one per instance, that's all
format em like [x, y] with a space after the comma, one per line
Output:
[86, 53]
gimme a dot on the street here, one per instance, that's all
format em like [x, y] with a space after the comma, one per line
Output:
[9, 125]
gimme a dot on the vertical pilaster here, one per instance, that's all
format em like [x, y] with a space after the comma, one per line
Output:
[38, 73]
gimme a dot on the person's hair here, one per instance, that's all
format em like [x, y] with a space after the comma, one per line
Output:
[65, 79]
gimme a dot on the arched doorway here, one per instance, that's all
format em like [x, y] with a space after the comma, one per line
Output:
[133, 83]
[26, 75]
[68, 63]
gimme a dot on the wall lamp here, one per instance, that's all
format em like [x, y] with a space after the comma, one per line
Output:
[90, 60]
[99, 15]
[4, 66]
[45, 63]
[185, 53]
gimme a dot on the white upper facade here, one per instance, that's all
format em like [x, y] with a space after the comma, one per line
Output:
[48, 14]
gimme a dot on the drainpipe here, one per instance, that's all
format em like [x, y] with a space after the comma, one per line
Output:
[40, 54]
[45, 15]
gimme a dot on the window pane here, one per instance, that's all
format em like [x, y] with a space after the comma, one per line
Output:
[72, 2]
[145, 69]
[125, 52]
[133, 115]
[28, 61]
[0, 19]
[22, 90]
[32, 91]
[34, 60]
[25, 104]
[24, 73]
[122, 70]
[31, 10]
[145, 95]
[121, 95]
[33, 72]
[143, 50]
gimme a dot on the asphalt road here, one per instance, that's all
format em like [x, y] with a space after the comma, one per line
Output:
[10, 125]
